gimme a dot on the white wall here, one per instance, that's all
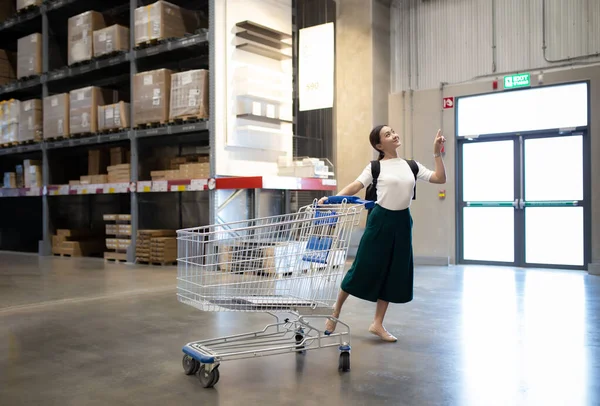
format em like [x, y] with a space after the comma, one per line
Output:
[454, 41]
[231, 159]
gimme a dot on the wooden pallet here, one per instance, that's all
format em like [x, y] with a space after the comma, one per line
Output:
[80, 63]
[28, 142]
[154, 124]
[26, 78]
[112, 130]
[27, 9]
[186, 120]
[107, 55]
[9, 144]
[115, 256]
[82, 135]
[60, 138]
[145, 262]
[153, 42]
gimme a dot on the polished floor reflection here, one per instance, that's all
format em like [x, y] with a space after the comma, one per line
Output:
[82, 332]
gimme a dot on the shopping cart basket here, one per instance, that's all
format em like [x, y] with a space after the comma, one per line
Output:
[291, 264]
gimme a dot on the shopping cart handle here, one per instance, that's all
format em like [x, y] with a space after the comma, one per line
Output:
[350, 199]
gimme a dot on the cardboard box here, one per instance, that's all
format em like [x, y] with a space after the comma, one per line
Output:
[29, 56]
[189, 94]
[97, 162]
[119, 173]
[113, 116]
[27, 3]
[56, 116]
[151, 92]
[81, 39]
[31, 169]
[119, 156]
[111, 39]
[30, 122]
[164, 20]
[84, 108]
[99, 179]
[10, 112]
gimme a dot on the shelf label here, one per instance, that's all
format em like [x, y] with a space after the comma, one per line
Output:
[178, 188]
[160, 186]
[198, 184]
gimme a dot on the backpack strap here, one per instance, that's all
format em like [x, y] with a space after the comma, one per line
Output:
[375, 170]
[415, 170]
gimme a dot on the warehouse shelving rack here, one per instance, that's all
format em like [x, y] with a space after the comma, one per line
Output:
[51, 17]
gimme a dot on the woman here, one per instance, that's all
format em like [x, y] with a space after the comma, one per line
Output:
[382, 271]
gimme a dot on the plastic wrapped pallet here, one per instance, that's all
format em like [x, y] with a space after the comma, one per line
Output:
[164, 20]
[29, 56]
[30, 124]
[21, 4]
[113, 116]
[56, 116]
[7, 67]
[111, 39]
[81, 40]
[151, 92]
[189, 94]
[84, 108]
[10, 111]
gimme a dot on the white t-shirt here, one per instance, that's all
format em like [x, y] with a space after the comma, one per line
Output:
[395, 183]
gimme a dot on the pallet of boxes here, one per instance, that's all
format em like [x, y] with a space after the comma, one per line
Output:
[118, 236]
[156, 247]
[76, 243]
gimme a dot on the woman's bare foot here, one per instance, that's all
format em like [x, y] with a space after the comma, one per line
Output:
[382, 333]
[330, 325]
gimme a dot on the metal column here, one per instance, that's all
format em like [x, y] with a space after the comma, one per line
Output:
[132, 138]
[212, 194]
[45, 247]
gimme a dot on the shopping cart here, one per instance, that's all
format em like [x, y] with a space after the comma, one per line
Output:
[291, 264]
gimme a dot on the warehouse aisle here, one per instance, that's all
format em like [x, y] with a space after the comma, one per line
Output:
[82, 332]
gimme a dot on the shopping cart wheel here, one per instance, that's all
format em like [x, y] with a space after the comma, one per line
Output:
[344, 361]
[208, 379]
[299, 337]
[190, 365]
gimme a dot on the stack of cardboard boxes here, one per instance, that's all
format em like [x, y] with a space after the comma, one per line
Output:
[30, 122]
[56, 116]
[164, 20]
[186, 167]
[29, 56]
[81, 36]
[83, 110]
[76, 243]
[10, 111]
[156, 246]
[118, 230]
[101, 161]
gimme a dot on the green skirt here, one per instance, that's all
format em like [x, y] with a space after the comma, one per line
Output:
[383, 267]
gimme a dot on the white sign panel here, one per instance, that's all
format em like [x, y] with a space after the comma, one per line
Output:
[316, 62]
[542, 108]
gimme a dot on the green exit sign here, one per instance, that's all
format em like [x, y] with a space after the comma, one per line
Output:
[515, 81]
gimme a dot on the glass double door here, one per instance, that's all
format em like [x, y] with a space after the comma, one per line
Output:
[522, 201]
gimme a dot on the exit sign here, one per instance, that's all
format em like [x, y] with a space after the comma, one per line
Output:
[516, 81]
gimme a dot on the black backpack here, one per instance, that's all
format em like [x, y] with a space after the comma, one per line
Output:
[371, 193]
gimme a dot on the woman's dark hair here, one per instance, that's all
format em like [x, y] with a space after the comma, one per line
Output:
[375, 138]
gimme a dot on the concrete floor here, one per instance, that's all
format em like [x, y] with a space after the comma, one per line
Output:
[82, 332]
